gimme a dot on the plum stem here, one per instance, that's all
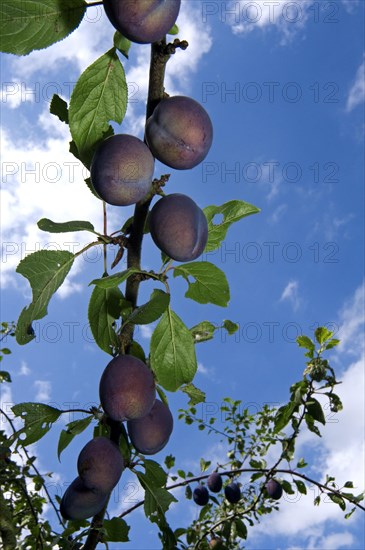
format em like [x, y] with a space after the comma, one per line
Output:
[156, 91]
[160, 54]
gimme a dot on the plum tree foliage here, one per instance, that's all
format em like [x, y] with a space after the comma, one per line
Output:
[131, 423]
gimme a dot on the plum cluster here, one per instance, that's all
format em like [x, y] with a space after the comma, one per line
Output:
[127, 393]
[179, 134]
[232, 491]
[100, 465]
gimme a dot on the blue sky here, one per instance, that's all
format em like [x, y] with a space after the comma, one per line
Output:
[283, 83]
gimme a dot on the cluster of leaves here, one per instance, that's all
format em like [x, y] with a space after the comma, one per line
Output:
[251, 441]
[22, 485]
[252, 438]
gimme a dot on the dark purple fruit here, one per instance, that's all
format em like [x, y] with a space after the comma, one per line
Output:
[232, 493]
[179, 132]
[201, 495]
[151, 433]
[215, 482]
[79, 503]
[122, 170]
[142, 21]
[274, 489]
[179, 227]
[127, 388]
[100, 464]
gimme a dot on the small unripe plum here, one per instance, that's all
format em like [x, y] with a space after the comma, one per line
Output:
[215, 482]
[216, 543]
[232, 493]
[201, 495]
[151, 433]
[127, 388]
[179, 132]
[274, 489]
[142, 21]
[179, 227]
[121, 170]
[100, 464]
[79, 502]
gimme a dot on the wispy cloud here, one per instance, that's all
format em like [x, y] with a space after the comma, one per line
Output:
[356, 94]
[291, 294]
[24, 369]
[44, 389]
[287, 17]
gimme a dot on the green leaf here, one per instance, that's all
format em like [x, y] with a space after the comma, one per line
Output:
[322, 334]
[349, 485]
[196, 395]
[116, 530]
[232, 212]
[73, 428]
[174, 30]
[283, 415]
[136, 350]
[157, 499]
[210, 284]
[4, 376]
[241, 528]
[203, 332]
[314, 408]
[305, 342]
[87, 180]
[45, 270]
[100, 95]
[27, 25]
[155, 472]
[230, 327]
[122, 44]
[349, 514]
[204, 464]
[287, 487]
[38, 420]
[104, 309]
[338, 500]
[172, 352]
[301, 486]
[170, 462]
[311, 425]
[152, 310]
[114, 280]
[302, 463]
[64, 227]
[332, 343]
[59, 108]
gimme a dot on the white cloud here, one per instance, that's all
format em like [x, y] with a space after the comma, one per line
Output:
[44, 389]
[352, 320]
[278, 213]
[291, 294]
[357, 92]
[24, 369]
[351, 5]
[202, 369]
[146, 331]
[287, 17]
